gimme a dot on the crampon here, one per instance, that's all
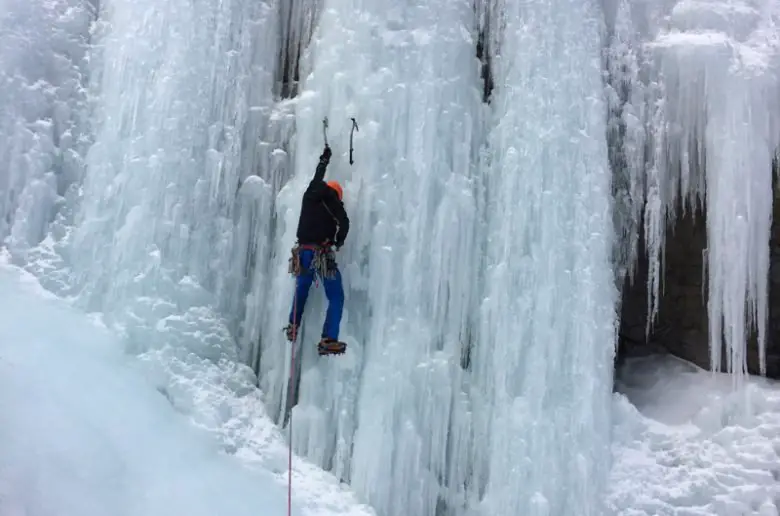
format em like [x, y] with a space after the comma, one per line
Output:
[291, 332]
[331, 347]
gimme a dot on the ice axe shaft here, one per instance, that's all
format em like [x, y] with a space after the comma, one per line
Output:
[351, 133]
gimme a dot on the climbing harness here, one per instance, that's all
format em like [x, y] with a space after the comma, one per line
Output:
[323, 264]
[351, 132]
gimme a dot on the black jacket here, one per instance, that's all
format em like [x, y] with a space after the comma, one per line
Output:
[323, 218]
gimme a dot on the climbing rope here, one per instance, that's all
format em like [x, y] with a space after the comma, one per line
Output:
[289, 400]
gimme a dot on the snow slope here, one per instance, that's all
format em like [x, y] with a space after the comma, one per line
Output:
[686, 443]
[83, 433]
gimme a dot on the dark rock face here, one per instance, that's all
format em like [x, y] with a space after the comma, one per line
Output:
[682, 324]
[773, 324]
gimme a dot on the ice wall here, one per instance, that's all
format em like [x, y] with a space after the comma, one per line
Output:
[477, 273]
[542, 360]
[380, 416]
[165, 233]
[42, 101]
[479, 294]
[480, 312]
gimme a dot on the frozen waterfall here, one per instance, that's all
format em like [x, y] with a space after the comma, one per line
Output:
[471, 330]
[542, 355]
[723, 133]
[511, 157]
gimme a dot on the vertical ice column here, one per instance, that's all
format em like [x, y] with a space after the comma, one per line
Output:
[625, 62]
[720, 131]
[172, 82]
[380, 416]
[41, 98]
[543, 359]
[739, 218]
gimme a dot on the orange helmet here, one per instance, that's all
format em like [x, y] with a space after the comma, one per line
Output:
[336, 186]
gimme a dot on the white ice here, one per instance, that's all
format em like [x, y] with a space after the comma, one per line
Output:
[717, 129]
[480, 302]
[84, 433]
[686, 444]
[479, 296]
[42, 102]
[380, 415]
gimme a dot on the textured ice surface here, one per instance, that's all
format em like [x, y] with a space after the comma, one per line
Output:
[84, 434]
[542, 351]
[380, 415]
[628, 135]
[721, 110]
[42, 46]
[686, 444]
[480, 294]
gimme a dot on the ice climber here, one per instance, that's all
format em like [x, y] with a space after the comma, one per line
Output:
[322, 225]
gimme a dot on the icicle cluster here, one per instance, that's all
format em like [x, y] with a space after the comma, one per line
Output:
[716, 129]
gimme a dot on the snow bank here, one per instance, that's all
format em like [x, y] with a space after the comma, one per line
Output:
[83, 433]
[688, 444]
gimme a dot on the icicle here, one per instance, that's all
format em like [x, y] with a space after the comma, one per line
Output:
[626, 95]
[655, 215]
[719, 123]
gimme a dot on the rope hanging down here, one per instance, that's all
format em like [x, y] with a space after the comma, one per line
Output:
[289, 402]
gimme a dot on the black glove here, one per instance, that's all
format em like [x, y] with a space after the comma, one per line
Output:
[325, 156]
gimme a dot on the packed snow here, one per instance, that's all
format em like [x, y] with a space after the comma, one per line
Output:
[685, 443]
[84, 433]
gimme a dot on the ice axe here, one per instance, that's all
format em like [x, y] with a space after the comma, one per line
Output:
[352, 132]
[325, 130]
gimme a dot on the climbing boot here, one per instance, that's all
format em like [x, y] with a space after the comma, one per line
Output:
[291, 332]
[331, 347]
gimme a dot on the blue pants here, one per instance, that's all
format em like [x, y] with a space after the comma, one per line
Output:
[334, 291]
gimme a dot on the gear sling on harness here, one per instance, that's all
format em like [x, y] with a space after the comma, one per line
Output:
[323, 264]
